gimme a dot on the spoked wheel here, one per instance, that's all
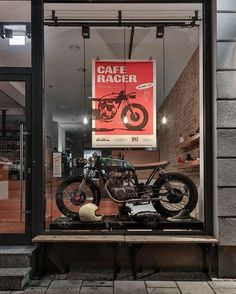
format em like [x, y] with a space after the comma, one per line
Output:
[69, 198]
[134, 117]
[175, 192]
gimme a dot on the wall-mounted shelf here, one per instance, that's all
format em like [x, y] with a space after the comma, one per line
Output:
[189, 164]
[191, 141]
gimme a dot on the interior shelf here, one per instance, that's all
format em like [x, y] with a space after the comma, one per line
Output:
[191, 141]
[189, 164]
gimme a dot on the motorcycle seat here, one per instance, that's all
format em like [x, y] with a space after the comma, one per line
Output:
[151, 165]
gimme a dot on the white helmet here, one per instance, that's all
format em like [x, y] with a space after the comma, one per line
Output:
[87, 213]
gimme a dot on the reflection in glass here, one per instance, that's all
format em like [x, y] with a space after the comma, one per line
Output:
[12, 157]
[15, 33]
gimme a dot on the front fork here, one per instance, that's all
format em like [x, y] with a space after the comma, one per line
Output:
[83, 182]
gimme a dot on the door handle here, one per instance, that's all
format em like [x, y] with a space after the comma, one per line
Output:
[21, 168]
[27, 211]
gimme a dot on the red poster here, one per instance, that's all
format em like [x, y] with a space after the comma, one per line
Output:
[124, 103]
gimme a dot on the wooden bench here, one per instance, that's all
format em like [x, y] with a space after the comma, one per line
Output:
[206, 242]
[113, 241]
[135, 242]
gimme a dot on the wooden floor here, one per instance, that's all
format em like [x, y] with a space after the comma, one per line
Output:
[10, 208]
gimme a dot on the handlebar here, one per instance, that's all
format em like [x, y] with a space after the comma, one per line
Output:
[131, 95]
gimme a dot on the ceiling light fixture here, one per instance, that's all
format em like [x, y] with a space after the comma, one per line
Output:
[28, 31]
[160, 32]
[164, 120]
[2, 33]
[86, 32]
[8, 33]
[85, 119]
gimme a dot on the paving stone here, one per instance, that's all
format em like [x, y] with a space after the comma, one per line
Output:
[160, 284]
[97, 290]
[33, 290]
[195, 288]
[97, 283]
[225, 291]
[163, 291]
[64, 291]
[65, 284]
[40, 283]
[129, 287]
[222, 284]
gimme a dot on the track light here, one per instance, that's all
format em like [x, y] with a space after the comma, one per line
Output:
[86, 32]
[85, 120]
[2, 33]
[160, 32]
[164, 120]
[28, 31]
[8, 33]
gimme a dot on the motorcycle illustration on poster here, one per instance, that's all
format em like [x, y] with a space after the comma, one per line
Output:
[124, 103]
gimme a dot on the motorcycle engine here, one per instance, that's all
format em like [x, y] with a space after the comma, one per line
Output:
[120, 187]
[107, 108]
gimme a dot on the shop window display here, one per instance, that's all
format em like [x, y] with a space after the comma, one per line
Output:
[122, 117]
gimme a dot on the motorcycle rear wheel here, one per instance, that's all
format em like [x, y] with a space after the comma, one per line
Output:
[184, 194]
[69, 201]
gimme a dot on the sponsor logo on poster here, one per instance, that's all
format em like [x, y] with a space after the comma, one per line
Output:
[124, 103]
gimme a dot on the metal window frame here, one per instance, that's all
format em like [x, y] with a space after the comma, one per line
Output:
[21, 75]
[37, 122]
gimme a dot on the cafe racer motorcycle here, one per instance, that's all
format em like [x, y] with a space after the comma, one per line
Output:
[134, 116]
[169, 193]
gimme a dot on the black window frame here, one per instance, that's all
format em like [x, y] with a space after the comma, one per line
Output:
[38, 204]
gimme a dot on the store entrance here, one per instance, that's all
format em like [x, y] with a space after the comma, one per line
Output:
[15, 171]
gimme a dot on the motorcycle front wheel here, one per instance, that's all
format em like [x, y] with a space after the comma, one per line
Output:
[135, 119]
[175, 192]
[69, 199]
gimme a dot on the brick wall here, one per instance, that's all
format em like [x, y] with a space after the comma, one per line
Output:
[181, 108]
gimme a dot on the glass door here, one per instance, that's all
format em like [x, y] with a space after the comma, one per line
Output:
[15, 171]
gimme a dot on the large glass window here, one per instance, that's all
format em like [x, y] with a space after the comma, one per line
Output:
[123, 92]
[15, 33]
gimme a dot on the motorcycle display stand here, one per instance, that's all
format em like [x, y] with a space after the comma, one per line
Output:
[113, 222]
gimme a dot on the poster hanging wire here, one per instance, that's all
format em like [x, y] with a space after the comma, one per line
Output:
[125, 56]
[84, 70]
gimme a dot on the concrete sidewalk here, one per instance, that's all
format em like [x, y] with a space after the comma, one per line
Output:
[60, 286]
